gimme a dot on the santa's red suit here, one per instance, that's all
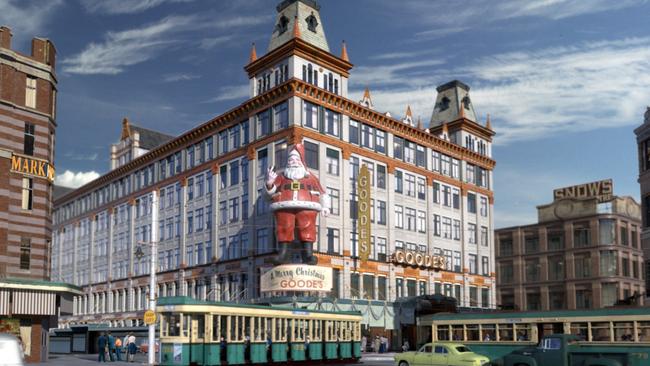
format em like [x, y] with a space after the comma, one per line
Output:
[296, 203]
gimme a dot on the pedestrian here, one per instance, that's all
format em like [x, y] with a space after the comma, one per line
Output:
[133, 348]
[406, 346]
[307, 340]
[102, 344]
[111, 347]
[377, 344]
[118, 348]
[383, 344]
[364, 343]
[223, 346]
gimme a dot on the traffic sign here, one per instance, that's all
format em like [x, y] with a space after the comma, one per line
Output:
[149, 317]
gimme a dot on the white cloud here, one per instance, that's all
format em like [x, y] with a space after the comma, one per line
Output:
[458, 16]
[75, 180]
[210, 43]
[130, 47]
[230, 93]
[76, 156]
[168, 78]
[123, 6]
[27, 18]
[535, 93]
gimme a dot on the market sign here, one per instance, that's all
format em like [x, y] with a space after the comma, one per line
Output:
[602, 190]
[410, 258]
[30, 166]
[297, 277]
[363, 213]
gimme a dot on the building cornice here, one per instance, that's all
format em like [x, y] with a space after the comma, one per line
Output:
[466, 125]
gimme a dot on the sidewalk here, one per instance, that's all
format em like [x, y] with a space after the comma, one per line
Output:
[87, 359]
[371, 356]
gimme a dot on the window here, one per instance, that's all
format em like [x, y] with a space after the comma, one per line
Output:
[234, 172]
[399, 184]
[223, 212]
[263, 245]
[555, 240]
[581, 237]
[398, 148]
[333, 240]
[354, 132]
[190, 222]
[410, 185]
[335, 203]
[471, 233]
[422, 221]
[582, 264]
[311, 155]
[471, 203]
[25, 252]
[28, 186]
[381, 176]
[607, 231]
[332, 122]
[234, 209]
[310, 115]
[263, 123]
[29, 136]
[472, 264]
[506, 273]
[332, 161]
[484, 236]
[367, 136]
[410, 219]
[457, 267]
[30, 92]
[531, 244]
[281, 116]
[532, 270]
[421, 182]
[446, 228]
[262, 162]
[381, 212]
[456, 229]
[399, 216]
[485, 265]
[484, 206]
[609, 263]
[380, 141]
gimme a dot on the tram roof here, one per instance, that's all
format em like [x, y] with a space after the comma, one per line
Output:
[186, 300]
[622, 311]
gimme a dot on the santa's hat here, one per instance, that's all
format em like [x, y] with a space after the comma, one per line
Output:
[298, 150]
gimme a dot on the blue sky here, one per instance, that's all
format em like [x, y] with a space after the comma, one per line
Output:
[565, 82]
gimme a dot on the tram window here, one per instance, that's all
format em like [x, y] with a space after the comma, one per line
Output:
[505, 332]
[600, 332]
[443, 332]
[488, 332]
[624, 331]
[223, 327]
[643, 329]
[258, 330]
[186, 325]
[551, 343]
[280, 329]
[472, 332]
[216, 328]
[458, 333]
[579, 330]
[316, 331]
[523, 332]
[200, 325]
[246, 328]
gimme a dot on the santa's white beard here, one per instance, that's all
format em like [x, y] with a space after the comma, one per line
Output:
[297, 172]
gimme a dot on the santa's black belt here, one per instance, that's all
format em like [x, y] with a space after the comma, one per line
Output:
[295, 187]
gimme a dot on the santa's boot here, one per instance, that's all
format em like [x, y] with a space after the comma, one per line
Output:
[284, 254]
[308, 253]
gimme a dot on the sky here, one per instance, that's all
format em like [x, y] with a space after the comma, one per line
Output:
[565, 82]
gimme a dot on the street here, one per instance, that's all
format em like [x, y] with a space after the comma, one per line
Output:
[384, 359]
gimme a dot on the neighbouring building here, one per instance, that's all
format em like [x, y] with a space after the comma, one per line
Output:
[643, 142]
[431, 194]
[29, 303]
[584, 252]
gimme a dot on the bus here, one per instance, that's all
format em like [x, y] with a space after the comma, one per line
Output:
[215, 333]
[496, 334]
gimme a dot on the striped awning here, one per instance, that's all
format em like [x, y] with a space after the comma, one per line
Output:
[33, 303]
[4, 302]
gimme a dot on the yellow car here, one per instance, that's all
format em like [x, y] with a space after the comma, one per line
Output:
[447, 354]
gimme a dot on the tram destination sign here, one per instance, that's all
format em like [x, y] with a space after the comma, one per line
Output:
[297, 277]
[411, 258]
[601, 190]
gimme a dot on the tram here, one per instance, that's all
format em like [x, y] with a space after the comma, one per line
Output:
[496, 334]
[213, 333]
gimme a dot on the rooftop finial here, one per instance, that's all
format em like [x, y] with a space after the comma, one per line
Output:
[253, 55]
[461, 110]
[126, 129]
[344, 53]
[488, 124]
[366, 101]
[296, 29]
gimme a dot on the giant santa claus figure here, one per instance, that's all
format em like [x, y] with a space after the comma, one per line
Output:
[297, 197]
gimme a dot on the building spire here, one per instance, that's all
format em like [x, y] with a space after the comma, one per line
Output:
[296, 28]
[366, 101]
[445, 132]
[126, 129]
[408, 118]
[488, 124]
[461, 110]
[253, 55]
[344, 52]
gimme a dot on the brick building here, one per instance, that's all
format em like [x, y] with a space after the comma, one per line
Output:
[584, 252]
[28, 301]
[431, 194]
[643, 143]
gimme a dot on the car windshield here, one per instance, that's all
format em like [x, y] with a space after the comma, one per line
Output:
[463, 349]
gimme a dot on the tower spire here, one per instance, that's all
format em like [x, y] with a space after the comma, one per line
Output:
[366, 101]
[253, 55]
[344, 52]
[488, 124]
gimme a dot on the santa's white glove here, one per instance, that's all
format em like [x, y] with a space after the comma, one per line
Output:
[271, 175]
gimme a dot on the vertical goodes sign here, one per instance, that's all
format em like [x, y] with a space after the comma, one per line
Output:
[363, 214]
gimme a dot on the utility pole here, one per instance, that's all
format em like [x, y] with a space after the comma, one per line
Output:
[152, 275]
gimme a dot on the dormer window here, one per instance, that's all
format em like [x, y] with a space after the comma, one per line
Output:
[466, 102]
[312, 23]
[283, 25]
[444, 103]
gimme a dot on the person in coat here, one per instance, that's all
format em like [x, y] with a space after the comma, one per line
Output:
[111, 347]
[102, 343]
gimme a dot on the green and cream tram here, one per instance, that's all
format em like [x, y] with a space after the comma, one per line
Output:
[496, 334]
[211, 333]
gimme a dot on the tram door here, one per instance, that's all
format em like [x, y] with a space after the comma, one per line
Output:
[546, 329]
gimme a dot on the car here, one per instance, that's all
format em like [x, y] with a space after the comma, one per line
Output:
[11, 351]
[441, 353]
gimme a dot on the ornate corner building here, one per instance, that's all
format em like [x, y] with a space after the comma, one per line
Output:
[431, 194]
[29, 303]
[583, 253]
[643, 143]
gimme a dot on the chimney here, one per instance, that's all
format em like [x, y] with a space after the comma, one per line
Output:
[43, 51]
[5, 37]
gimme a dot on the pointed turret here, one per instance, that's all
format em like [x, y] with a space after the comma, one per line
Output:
[488, 124]
[445, 132]
[453, 102]
[366, 101]
[408, 118]
[126, 129]
[253, 55]
[298, 19]
[344, 53]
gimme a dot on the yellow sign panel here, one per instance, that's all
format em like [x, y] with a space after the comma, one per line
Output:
[149, 317]
[26, 165]
[602, 190]
[363, 214]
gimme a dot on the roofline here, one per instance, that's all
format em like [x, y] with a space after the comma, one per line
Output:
[25, 284]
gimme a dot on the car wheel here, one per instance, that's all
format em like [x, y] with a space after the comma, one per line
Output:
[403, 363]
